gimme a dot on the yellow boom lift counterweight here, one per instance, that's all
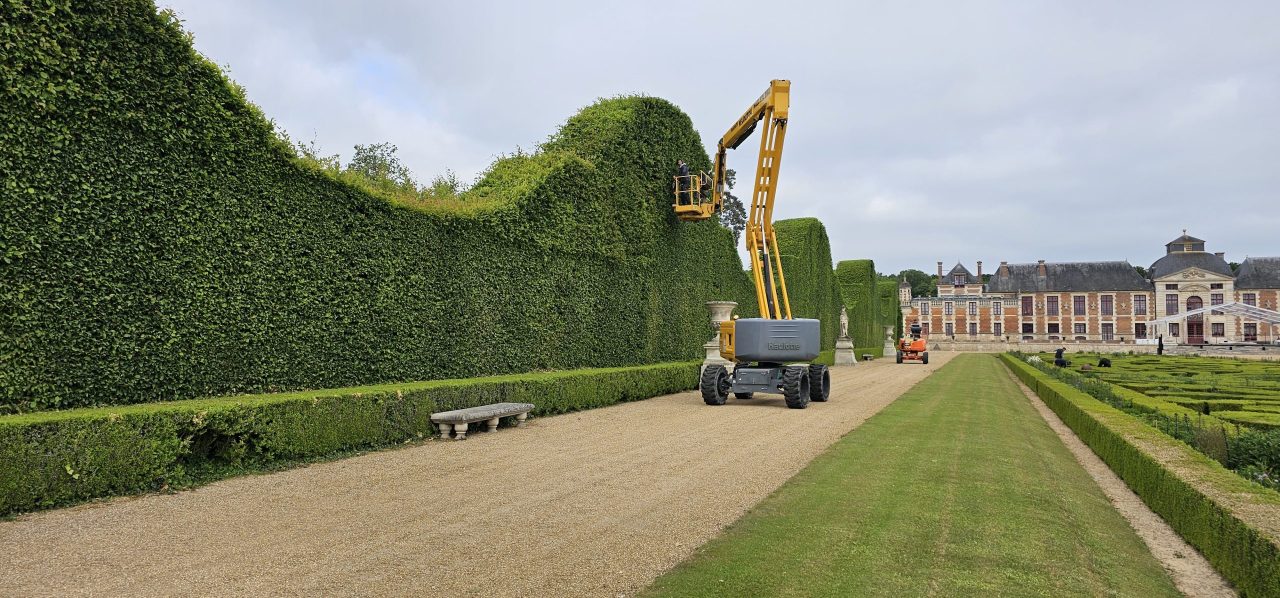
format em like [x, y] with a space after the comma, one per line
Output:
[764, 350]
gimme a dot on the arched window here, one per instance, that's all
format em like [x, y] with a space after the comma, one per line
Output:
[1195, 303]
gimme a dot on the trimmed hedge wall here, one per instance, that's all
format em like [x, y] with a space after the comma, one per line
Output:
[1246, 555]
[890, 307]
[856, 281]
[55, 458]
[806, 262]
[159, 243]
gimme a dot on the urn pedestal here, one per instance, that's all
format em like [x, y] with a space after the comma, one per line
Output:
[721, 311]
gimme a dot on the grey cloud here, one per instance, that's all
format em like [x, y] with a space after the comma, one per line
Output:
[920, 131]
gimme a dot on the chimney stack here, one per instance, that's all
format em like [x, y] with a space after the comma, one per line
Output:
[1040, 269]
[939, 272]
[979, 270]
[1003, 271]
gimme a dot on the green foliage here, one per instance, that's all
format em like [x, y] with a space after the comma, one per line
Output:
[890, 306]
[1187, 493]
[806, 263]
[922, 285]
[856, 281]
[160, 242]
[54, 458]
[733, 215]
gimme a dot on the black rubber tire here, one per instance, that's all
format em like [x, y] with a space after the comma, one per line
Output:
[924, 358]
[715, 385]
[899, 356]
[795, 386]
[819, 383]
[744, 396]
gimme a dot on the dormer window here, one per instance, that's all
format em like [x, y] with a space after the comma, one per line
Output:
[958, 280]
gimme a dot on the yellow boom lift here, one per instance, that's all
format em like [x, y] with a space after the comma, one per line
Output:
[764, 350]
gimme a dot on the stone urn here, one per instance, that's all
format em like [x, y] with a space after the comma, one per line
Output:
[721, 311]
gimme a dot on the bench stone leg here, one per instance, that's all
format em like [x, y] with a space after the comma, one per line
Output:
[461, 429]
[445, 430]
[493, 424]
[520, 417]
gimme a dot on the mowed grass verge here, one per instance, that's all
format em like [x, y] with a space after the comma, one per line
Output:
[957, 488]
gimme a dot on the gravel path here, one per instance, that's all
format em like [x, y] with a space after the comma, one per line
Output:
[596, 503]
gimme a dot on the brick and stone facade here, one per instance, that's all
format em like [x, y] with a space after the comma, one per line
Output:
[1100, 302]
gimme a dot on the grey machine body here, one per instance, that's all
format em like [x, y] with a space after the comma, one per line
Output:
[769, 345]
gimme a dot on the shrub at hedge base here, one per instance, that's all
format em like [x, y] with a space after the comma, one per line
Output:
[1234, 523]
[55, 458]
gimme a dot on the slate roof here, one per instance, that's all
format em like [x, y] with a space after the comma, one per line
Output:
[959, 269]
[1069, 276]
[1259, 273]
[1185, 238]
[1179, 261]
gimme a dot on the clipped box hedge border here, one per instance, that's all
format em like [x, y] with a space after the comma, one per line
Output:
[1246, 555]
[56, 458]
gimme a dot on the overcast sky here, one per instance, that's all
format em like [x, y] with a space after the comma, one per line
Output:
[919, 132]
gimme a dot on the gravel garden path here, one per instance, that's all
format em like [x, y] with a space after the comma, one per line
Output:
[595, 503]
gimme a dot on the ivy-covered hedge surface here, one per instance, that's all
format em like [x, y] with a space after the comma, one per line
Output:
[1233, 522]
[157, 242]
[806, 264]
[856, 283]
[54, 458]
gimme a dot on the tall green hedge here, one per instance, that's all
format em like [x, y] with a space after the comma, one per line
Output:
[54, 458]
[806, 263]
[890, 307]
[157, 242]
[1181, 485]
[857, 281]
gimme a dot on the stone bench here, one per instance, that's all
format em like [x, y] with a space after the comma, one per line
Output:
[458, 419]
[867, 356]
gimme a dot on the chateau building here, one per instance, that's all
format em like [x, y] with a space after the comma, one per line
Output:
[1107, 302]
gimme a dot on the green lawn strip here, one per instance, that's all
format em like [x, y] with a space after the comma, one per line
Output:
[957, 488]
[1231, 520]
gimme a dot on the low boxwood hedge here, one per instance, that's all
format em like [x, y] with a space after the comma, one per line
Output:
[1186, 488]
[55, 458]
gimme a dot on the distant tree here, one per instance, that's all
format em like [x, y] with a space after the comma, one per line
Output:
[1234, 266]
[378, 163]
[1141, 271]
[445, 185]
[922, 285]
[733, 215]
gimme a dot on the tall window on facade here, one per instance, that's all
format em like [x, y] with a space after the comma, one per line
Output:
[924, 308]
[1028, 328]
[997, 329]
[1219, 329]
[1077, 305]
[1054, 328]
[1216, 299]
[1027, 306]
[973, 308]
[1174, 329]
[1250, 333]
[924, 327]
[1140, 330]
[1108, 332]
[948, 308]
[1194, 303]
[950, 329]
[1139, 305]
[997, 309]
[1051, 305]
[1170, 304]
[973, 329]
[1250, 298]
[1108, 305]
[1080, 328]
